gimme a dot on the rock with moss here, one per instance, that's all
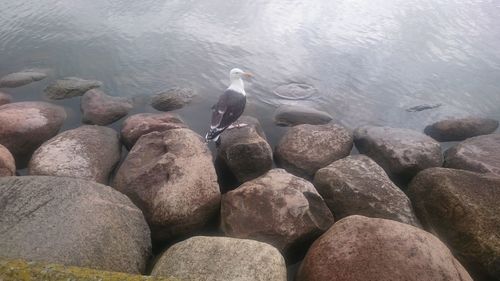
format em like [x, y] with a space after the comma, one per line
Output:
[461, 129]
[291, 115]
[22, 78]
[172, 99]
[70, 87]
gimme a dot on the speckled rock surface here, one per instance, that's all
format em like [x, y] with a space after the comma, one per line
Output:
[479, 154]
[88, 152]
[291, 115]
[203, 258]
[7, 163]
[461, 129]
[358, 248]
[101, 109]
[70, 87]
[172, 99]
[22, 78]
[171, 177]
[26, 125]
[277, 208]
[73, 222]
[5, 98]
[356, 185]
[306, 148]
[462, 208]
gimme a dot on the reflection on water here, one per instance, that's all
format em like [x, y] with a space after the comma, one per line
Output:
[369, 59]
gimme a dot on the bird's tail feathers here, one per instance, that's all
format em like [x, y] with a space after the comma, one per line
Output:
[213, 134]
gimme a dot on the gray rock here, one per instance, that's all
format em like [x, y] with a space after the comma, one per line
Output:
[356, 185]
[101, 109]
[221, 259]
[22, 78]
[73, 222]
[87, 152]
[277, 208]
[461, 129]
[245, 150]
[295, 91]
[401, 152]
[140, 124]
[479, 154]
[172, 99]
[462, 208]
[306, 148]
[5, 98]
[171, 177]
[291, 115]
[26, 125]
[7, 163]
[358, 248]
[70, 87]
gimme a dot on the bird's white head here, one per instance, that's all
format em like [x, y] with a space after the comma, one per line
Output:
[235, 74]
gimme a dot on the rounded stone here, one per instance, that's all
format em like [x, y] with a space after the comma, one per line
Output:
[461, 129]
[101, 109]
[70, 87]
[5, 98]
[291, 115]
[7, 163]
[18, 79]
[172, 99]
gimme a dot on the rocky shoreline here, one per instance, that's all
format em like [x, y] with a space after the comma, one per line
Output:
[400, 210]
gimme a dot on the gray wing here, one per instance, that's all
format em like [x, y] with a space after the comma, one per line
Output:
[229, 108]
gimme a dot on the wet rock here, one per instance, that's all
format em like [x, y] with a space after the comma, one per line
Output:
[295, 91]
[70, 87]
[479, 154]
[462, 208]
[26, 125]
[291, 115]
[245, 150]
[461, 129]
[401, 152]
[87, 152]
[101, 109]
[356, 185]
[360, 248]
[277, 208]
[7, 163]
[423, 107]
[5, 98]
[73, 222]
[171, 177]
[222, 259]
[140, 124]
[22, 78]
[306, 148]
[172, 99]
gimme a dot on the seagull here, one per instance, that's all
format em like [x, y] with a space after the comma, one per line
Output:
[230, 106]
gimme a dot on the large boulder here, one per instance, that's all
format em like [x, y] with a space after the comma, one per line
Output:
[26, 125]
[461, 129]
[360, 248]
[245, 150]
[22, 78]
[277, 208]
[88, 152]
[479, 154]
[140, 124]
[70, 87]
[171, 177]
[73, 222]
[401, 152]
[462, 208]
[306, 148]
[172, 99]
[7, 163]
[356, 185]
[101, 109]
[221, 259]
[291, 115]
[5, 98]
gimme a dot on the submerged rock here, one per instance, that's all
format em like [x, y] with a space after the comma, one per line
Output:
[70, 87]
[101, 109]
[306, 148]
[172, 99]
[7, 163]
[358, 248]
[295, 91]
[423, 107]
[73, 222]
[22, 78]
[245, 150]
[462, 208]
[171, 177]
[356, 185]
[5, 98]
[140, 124]
[221, 259]
[277, 208]
[461, 129]
[479, 154]
[87, 152]
[26, 125]
[291, 115]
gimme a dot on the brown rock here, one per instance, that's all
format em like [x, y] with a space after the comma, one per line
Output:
[70, 87]
[462, 208]
[172, 99]
[461, 129]
[101, 109]
[360, 248]
[18, 79]
[7, 163]
[291, 115]
[26, 125]
[306, 148]
[277, 208]
[5, 98]
[171, 177]
[140, 124]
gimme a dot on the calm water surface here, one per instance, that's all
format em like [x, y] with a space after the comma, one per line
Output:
[369, 59]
